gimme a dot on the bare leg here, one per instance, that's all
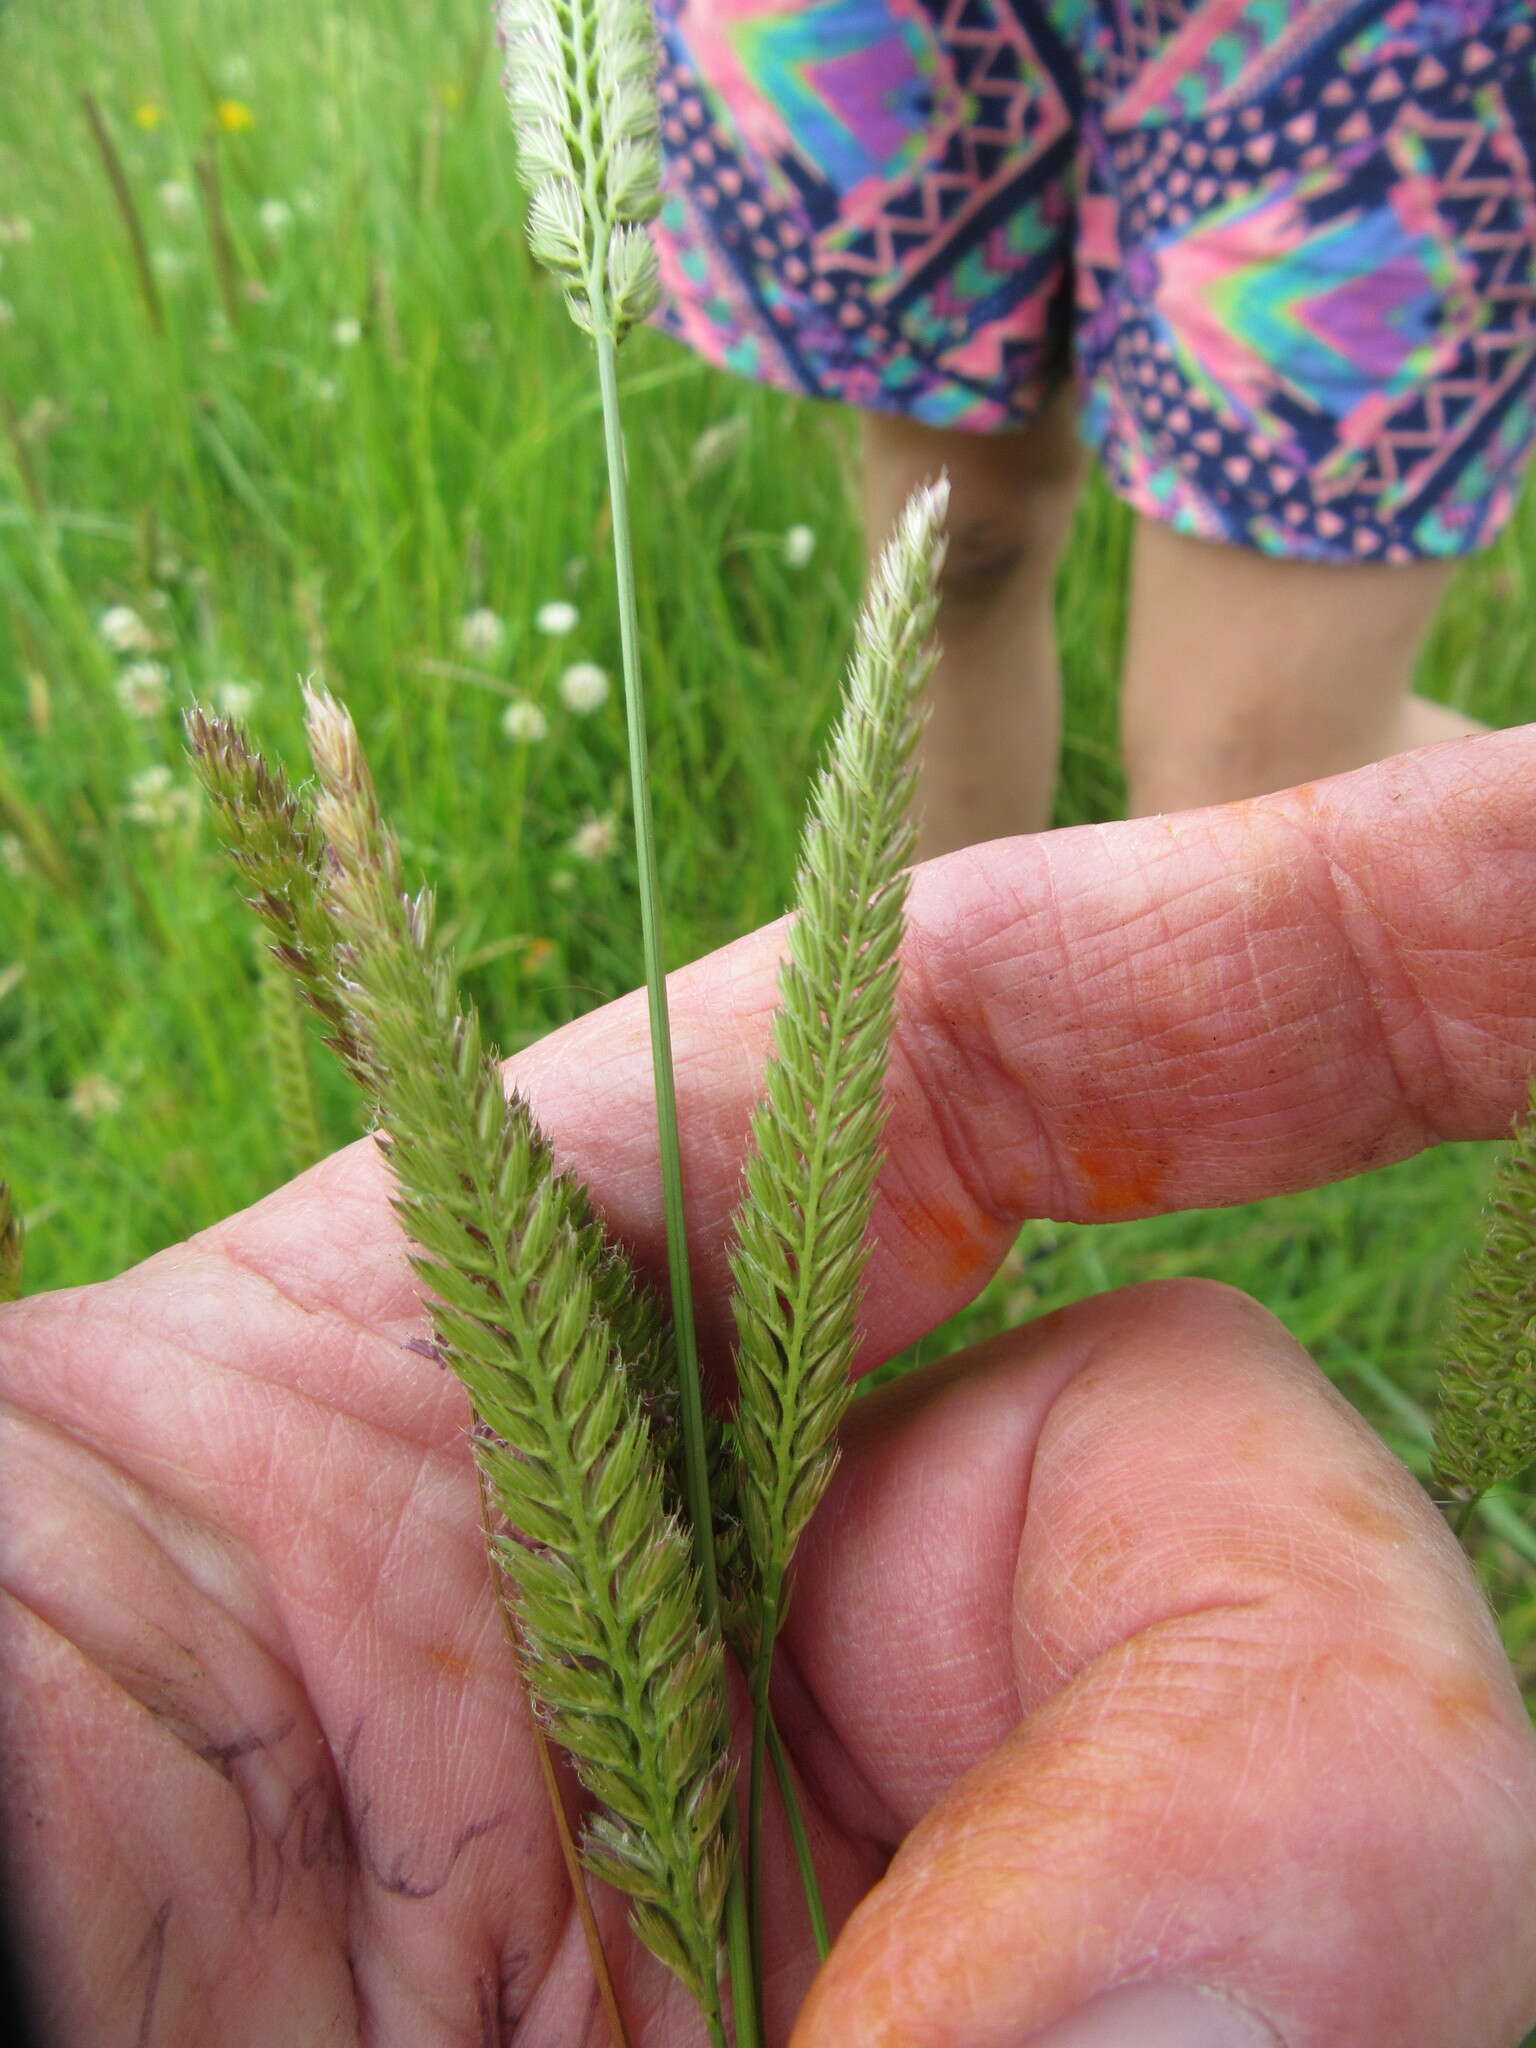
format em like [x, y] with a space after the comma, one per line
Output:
[988, 756]
[1245, 674]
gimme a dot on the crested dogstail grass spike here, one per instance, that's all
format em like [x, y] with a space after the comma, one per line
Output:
[11, 1235]
[800, 1231]
[1485, 1417]
[624, 1671]
[578, 81]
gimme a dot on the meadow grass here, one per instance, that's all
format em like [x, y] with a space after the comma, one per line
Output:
[362, 419]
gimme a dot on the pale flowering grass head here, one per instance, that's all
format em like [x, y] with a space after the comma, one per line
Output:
[524, 722]
[15, 229]
[143, 688]
[347, 332]
[557, 618]
[482, 633]
[175, 197]
[584, 687]
[275, 216]
[584, 113]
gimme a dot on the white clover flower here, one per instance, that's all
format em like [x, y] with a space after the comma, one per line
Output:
[156, 799]
[121, 629]
[595, 838]
[142, 688]
[347, 332]
[175, 198]
[94, 1096]
[15, 227]
[524, 721]
[584, 687]
[235, 699]
[276, 217]
[482, 633]
[799, 546]
[557, 617]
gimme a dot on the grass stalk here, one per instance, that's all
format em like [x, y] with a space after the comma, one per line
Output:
[805, 1863]
[226, 269]
[127, 209]
[695, 1458]
[21, 457]
[11, 1233]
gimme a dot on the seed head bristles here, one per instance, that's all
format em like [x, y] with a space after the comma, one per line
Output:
[799, 1251]
[11, 1234]
[1485, 1418]
[623, 1672]
[578, 80]
[270, 832]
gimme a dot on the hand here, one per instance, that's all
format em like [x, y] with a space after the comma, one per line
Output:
[1121, 1652]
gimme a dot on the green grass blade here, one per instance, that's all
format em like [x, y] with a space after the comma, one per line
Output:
[1485, 1414]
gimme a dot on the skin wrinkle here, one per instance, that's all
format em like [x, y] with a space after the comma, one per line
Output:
[105, 1821]
[267, 1637]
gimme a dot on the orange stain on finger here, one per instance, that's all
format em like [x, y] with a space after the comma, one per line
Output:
[1119, 1178]
[955, 1244]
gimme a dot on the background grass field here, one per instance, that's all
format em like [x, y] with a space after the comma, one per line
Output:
[312, 437]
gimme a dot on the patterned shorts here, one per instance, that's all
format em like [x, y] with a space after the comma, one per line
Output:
[1288, 247]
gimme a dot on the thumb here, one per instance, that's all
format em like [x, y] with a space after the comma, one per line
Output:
[1269, 1780]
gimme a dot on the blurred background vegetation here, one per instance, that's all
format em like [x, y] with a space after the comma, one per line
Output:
[280, 395]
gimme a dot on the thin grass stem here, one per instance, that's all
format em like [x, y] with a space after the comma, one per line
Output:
[690, 1392]
[226, 269]
[804, 1861]
[11, 1234]
[128, 211]
[1464, 1515]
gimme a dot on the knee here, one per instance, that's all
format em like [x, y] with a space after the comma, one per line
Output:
[991, 545]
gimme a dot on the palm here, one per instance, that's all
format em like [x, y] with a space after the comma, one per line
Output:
[265, 1706]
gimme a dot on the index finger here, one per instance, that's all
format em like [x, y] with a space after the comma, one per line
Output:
[1119, 1020]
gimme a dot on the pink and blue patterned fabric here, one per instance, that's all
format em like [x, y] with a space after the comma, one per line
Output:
[1287, 246]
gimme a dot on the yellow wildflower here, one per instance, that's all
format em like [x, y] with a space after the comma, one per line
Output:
[234, 116]
[149, 114]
